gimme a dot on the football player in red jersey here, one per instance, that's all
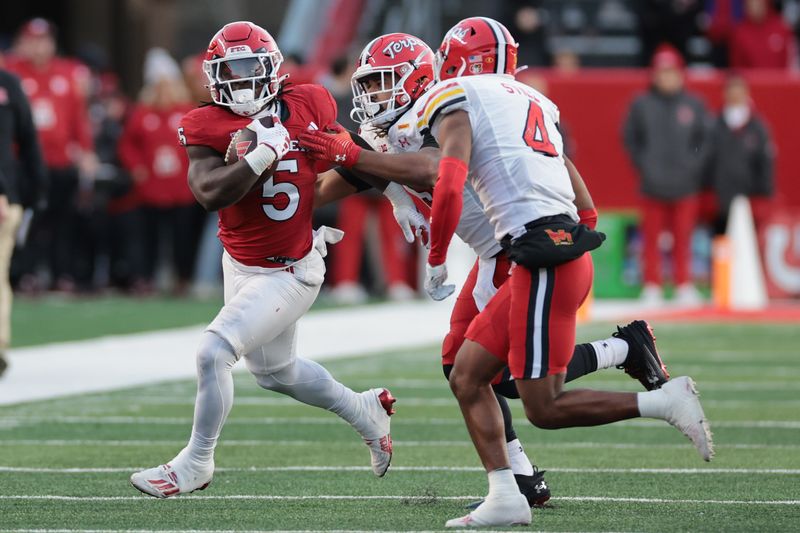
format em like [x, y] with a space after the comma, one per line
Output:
[395, 71]
[272, 263]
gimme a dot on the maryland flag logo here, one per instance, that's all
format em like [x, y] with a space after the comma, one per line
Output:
[560, 237]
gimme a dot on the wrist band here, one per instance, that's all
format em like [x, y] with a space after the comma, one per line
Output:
[260, 159]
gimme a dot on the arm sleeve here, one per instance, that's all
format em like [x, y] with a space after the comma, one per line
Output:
[30, 150]
[448, 199]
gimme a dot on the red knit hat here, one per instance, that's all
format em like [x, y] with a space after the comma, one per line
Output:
[667, 56]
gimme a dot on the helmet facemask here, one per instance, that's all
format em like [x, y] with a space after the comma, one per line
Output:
[380, 106]
[244, 84]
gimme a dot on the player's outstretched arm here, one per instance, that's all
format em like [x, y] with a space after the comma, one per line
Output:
[416, 170]
[216, 185]
[455, 139]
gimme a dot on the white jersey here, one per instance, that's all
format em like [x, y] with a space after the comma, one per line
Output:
[474, 227]
[517, 163]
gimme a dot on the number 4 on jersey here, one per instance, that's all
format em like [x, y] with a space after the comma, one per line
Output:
[535, 134]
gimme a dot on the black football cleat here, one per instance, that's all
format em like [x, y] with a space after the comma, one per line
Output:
[643, 362]
[534, 488]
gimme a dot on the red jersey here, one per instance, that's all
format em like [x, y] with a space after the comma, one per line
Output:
[148, 142]
[766, 44]
[272, 223]
[58, 106]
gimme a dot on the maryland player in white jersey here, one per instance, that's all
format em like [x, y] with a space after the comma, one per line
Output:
[503, 138]
[394, 72]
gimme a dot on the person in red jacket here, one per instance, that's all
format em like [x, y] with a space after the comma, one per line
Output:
[158, 164]
[762, 39]
[56, 88]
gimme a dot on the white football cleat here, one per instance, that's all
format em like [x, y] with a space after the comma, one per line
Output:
[164, 482]
[686, 414]
[511, 510]
[374, 427]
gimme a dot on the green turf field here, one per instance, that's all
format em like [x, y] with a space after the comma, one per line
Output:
[64, 463]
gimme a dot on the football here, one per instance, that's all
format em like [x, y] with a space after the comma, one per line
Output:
[242, 143]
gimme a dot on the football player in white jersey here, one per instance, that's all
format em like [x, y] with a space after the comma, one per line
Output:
[394, 72]
[502, 137]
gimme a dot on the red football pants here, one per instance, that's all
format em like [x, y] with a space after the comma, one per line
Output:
[677, 217]
[530, 322]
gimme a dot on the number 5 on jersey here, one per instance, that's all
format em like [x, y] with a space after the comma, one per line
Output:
[271, 190]
[535, 134]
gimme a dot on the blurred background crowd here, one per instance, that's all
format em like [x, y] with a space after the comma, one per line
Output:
[671, 108]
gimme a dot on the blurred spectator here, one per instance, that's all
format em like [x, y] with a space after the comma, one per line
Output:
[150, 152]
[525, 20]
[21, 186]
[56, 88]
[195, 78]
[762, 39]
[722, 16]
[354, 212]
[666, 137]
[672, 21]
[338, 83]
[742, 157]
[117, 248]
[566, 61]
[296, 70]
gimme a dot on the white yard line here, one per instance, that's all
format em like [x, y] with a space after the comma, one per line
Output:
[400, 443]
[268, 497]
[566, 470]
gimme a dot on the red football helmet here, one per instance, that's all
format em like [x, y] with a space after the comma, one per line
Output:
[476, 45]
[394, 70]
[241, 64]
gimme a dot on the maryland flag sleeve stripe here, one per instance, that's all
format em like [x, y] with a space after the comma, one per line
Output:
[440, 102]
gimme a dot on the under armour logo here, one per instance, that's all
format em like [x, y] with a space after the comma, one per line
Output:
[340, 157]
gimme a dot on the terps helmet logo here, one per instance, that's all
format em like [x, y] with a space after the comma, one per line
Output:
[395, 47]
[241, 148]
[560, 237]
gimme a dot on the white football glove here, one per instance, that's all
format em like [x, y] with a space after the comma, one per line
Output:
[276, 137]
[435, 276]
[411, 221]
